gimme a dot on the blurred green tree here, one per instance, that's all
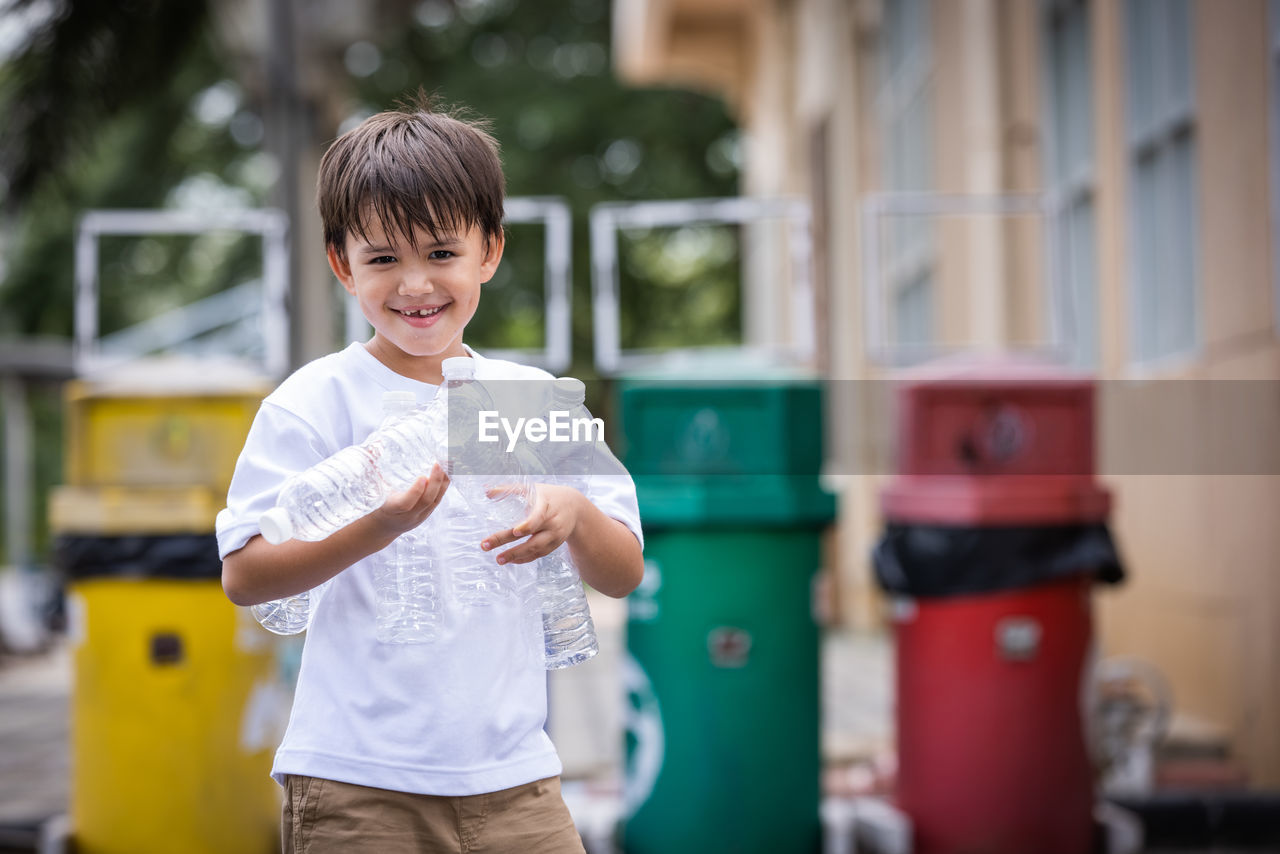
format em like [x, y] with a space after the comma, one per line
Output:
[542, 74]
[133, 105]
[110, 107]
[136, 105]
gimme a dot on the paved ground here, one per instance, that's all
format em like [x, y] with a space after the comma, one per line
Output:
[34, 755]
[586, 701]
[586, 704]
[586, 721]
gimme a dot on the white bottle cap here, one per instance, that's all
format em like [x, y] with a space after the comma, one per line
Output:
[276, 526]
[458, 368]
[572, 388]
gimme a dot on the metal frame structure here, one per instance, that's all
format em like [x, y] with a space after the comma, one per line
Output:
[878, 206]
[271, 225]
[608, 218]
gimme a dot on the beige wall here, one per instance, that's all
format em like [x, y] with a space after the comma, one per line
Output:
[1202, 549]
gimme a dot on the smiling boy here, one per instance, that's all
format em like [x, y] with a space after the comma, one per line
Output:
[411, 747]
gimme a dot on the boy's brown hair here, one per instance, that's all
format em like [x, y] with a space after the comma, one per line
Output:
[415, 166]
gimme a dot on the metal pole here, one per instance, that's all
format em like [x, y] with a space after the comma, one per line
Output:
[86, 301]
[275, 295]
[19, 470]
[558, 273]
[311, 301]
[604, 285]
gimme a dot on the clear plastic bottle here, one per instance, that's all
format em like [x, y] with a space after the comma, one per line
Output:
[407, 606]
[569, 634]
[330, 495]
[475, 468]
[288, 616]
[356, 480]
[572, 461]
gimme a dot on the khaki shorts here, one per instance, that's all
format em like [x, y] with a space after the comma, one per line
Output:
[322, 816]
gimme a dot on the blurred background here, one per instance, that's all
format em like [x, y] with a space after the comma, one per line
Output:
[826, 195]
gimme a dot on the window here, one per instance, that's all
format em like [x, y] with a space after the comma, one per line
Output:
[1069, 170]
[1162, 160]
[905, 107]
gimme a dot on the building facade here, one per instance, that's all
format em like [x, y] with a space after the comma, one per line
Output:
[1096, 177]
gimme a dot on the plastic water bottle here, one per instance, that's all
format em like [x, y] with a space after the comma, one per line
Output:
[349, 472]
[356, 480]
[573, 461]
[288, 616]
[474, 469]
[569, 634]
[406, 590]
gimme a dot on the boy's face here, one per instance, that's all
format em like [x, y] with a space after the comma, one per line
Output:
[418, 297]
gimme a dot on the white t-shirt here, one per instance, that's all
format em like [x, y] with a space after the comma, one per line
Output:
[460, 716]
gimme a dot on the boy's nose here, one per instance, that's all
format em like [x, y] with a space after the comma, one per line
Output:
[416, 283]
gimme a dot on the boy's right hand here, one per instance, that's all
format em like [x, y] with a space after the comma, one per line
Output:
[404, 511]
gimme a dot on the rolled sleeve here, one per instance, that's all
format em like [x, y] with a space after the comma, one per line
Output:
[279, 445]
[612, 490]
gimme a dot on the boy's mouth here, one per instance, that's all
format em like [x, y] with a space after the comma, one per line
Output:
[420, 312]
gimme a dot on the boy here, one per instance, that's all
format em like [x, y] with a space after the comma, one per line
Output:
[411, 747]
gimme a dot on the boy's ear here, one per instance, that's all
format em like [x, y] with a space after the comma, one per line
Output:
[341, 268]
[492, 255]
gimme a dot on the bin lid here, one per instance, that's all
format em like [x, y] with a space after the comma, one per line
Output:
[995, 500]
[693, 501]
[703, 426]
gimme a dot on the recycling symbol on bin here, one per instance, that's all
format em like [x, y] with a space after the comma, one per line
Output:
[645, 737]
[705, 439]
[997, 438]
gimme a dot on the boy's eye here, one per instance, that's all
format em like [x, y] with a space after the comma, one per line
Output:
[440, 255]
[383, 259]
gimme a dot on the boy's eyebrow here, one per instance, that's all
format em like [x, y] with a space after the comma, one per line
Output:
[444, 240]
[441, 241]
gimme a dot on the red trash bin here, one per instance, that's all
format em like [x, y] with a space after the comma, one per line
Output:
[996, 531]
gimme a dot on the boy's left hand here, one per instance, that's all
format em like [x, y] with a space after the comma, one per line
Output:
[553, 514]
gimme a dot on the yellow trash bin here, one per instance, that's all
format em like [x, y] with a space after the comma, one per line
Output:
[176, 711]
[179, 698]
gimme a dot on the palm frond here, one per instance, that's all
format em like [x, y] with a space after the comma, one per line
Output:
[86, 62]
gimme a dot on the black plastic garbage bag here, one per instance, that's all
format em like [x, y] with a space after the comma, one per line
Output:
[939, 560]
[138, 556]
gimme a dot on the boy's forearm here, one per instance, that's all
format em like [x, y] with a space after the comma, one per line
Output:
[260, 572]
[607, 554]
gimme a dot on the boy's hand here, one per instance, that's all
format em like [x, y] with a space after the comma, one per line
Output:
[404, 511]
[553, 514]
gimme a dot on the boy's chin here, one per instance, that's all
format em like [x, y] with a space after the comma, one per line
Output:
[433, 350]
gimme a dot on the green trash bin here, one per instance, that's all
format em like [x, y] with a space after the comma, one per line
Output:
[722, 746]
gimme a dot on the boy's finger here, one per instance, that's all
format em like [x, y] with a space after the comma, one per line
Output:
[435, 485]
[432, 495]
[535, 547]
[399, 502]
[500, 538]
[526, 526]
[504, 489]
